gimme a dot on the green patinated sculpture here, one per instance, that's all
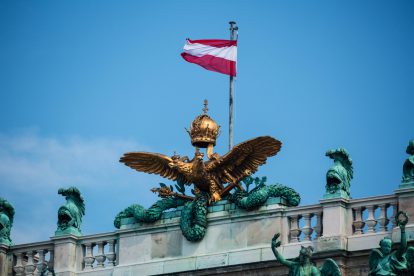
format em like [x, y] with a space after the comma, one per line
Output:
[303, 265]
[6, 221]
[384, 261]
[338, 177]
[70, 215]
[408, 167]
[409, 256]
[193, 221]
[258, 196]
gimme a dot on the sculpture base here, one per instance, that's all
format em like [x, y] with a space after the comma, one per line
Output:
[6, 242]
[339, 194]
[68, 231]
[407, 184]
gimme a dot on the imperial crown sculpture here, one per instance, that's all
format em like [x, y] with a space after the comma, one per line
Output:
[204, 130]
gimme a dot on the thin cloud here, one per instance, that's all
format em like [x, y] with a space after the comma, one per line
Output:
[33, 167]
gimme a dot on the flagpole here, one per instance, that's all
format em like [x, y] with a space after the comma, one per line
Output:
[232, 29]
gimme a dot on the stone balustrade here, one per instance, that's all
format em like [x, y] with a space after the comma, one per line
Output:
[234, 237]
[305, 223]
[99, 252]
[33, 259]
[380, 213]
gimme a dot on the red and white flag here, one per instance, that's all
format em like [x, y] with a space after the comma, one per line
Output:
[216, 55]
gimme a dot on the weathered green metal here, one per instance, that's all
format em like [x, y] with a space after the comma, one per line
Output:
[6, 221]
[408, 167]
[384, 261]
[409, 256]
[151, 214]
[339, 176]
[70, 214]
[258, 196]
[303, 265]
[193, 221]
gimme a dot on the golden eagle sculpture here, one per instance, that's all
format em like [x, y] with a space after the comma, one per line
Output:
[218, 174]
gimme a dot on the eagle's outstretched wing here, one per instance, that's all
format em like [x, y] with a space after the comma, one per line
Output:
[152, 163]
[244, 159]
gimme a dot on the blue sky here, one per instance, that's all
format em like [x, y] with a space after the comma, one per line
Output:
[82, 82]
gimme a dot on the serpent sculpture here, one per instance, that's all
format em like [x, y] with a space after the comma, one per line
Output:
[193, 221]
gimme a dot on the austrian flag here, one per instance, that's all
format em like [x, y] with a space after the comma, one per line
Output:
[216, 55]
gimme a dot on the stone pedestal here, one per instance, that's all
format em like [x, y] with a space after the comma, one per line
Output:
[5, 262]
[406, 204]
[65, 255]
[337, 224]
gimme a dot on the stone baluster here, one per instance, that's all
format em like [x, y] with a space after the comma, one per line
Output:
[111, 256]
[394, 213]
[383, 220]
[294, 228]
[371, 221]
[51, 261]
[100, 257]
[358, 222]
[29, 268]
[89, 259]
[318, 226]
[307, 229]
[19, 268]
[41, 263]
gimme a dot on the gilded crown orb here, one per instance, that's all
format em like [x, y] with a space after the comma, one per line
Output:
[204, 130]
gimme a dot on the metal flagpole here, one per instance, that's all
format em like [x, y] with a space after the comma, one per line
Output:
[232, 29]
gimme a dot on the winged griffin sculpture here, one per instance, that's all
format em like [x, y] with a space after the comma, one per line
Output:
[213, 177]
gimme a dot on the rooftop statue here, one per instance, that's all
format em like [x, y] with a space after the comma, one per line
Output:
[71, 213]
[6, 221]
[338, 177]
[384, 261]
[408, 167]
[303, 265]
[212, 178]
